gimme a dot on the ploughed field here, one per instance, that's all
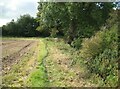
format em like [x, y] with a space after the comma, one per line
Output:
[19, 58]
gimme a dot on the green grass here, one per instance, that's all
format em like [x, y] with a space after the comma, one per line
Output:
[39, 77]
[58, 76]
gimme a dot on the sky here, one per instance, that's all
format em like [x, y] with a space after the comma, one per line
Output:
[12, 9]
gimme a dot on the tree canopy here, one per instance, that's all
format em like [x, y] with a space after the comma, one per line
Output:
[72, 19]
[24, 26]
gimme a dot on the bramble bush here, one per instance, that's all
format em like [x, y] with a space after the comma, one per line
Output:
[77, 43]
[100, 55]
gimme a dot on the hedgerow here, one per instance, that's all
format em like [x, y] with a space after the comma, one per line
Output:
[100, 55]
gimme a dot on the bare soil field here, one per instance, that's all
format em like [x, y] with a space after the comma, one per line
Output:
[18, 53]
[13, 50]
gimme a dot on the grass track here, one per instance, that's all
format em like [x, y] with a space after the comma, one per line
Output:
[39, 76]
[60, 66]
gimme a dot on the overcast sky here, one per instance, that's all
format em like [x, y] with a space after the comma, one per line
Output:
[12, 9]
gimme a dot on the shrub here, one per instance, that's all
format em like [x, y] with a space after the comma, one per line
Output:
[100, 54]
[91, 47]
[77, 43]
[54, 32]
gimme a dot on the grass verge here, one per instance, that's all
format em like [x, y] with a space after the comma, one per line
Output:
[62, 66]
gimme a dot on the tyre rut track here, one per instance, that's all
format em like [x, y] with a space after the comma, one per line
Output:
[8, 42]
[8, 50]
[28, 67]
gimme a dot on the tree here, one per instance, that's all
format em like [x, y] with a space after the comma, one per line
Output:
[73, 19]
[24, 26]
[9, 28]
[27, 24]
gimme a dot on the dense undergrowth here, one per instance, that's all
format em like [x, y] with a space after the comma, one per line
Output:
[100, 55]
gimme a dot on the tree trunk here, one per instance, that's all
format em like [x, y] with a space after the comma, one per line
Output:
[71, 32]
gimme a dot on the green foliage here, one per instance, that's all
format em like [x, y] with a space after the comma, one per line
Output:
[101, 55]
[74, 20]
[91, 47]
[24, 26]
[43, 31]
[54, 32]
[77, 43]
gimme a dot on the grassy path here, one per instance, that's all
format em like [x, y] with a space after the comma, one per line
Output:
[60, 67]
[39, 77]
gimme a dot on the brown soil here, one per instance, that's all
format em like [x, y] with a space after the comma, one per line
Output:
[7, 42]
[15, 52]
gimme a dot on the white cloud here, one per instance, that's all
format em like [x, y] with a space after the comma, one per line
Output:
[4, 21]
[12, 9]
[13, 5]
[1, 4]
